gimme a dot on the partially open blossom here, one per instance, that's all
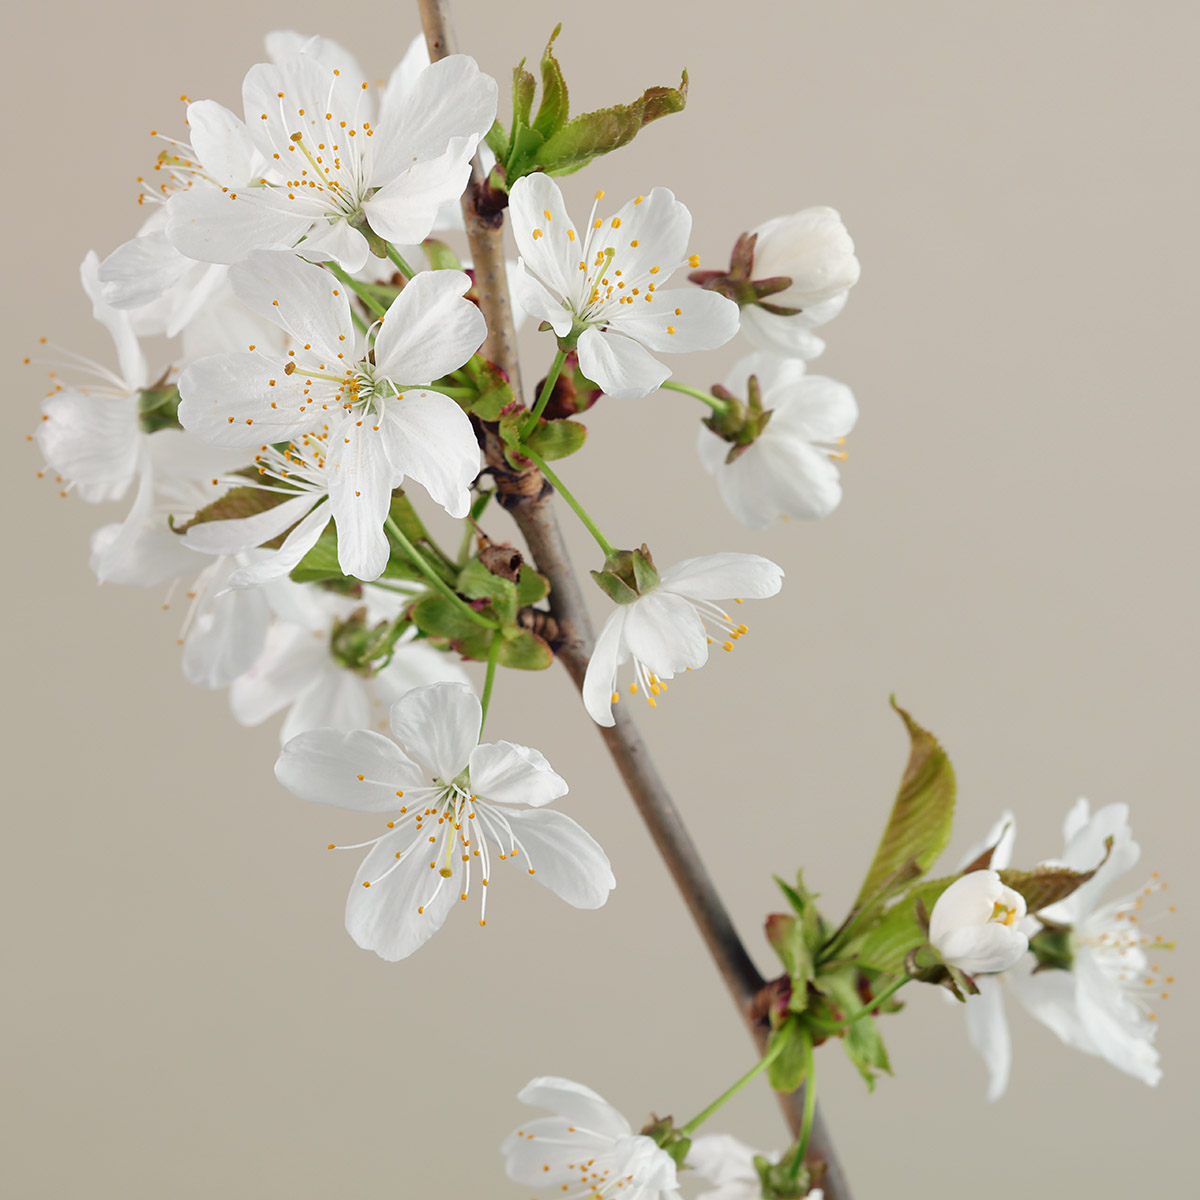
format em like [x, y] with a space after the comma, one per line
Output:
[358, 424]
[790, 468]
[670, 627]
[729, 1166]
[975, 924]
[813, 250]
[455, 806]
[606, 284]
[586, 1149]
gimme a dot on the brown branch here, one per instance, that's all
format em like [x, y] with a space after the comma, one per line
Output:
[528, 498]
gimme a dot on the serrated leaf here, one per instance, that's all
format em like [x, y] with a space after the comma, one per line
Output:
[788, 1071]
[1047, 885]
[557, 439]
[553, 111]
[861, 1040]
[921, 818]
[531, 586]
[589, 135]
[899, 931]
[523, 87]
[522, 153]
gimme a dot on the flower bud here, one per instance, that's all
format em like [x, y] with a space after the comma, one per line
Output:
[813, 250]
[975, 924]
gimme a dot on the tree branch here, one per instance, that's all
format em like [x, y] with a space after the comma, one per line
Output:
[528, 498]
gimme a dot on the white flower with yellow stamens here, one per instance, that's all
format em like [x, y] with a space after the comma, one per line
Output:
[976, 924]
[790, 469]
[667, 629]
[333, 165]
[606, 285]
[587, 1149]
[359, 424]
[455, 804]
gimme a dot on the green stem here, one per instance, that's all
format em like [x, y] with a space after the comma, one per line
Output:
[493, 656]
[421, 563]
[399, 262]
[758, 1068]
[580, 511]
[359, 289]
[455, 393]
[540, 407]
[810, 1107]
[716, 405]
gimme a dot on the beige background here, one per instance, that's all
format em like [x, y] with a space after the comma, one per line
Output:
[183, 1013]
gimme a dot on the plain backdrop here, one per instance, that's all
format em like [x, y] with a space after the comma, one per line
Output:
[183, 1013]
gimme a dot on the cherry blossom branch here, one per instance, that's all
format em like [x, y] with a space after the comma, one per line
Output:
[527, 497]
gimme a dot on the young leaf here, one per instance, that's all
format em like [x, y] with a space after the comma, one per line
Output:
[557, 439]
[899, 931]
[919, 825]
[236, 503]
[523, 87]
[552, 112]
[861, 1040]
[788, 1070]
[1047, 885]
[531, 586]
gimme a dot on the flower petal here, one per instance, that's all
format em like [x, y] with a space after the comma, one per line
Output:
[94, 441]
[987, 1030]
[621, 366]
[576, 1104]
[724, 576]
[430, 329]
[244, 533]
[817, 409]
[533, 298]
[339, 241]
[360, 491]
[789, 336]
[284, 560]
[404, 210]
[325, 765]
[438, 726]
[337, 699]
[223, 144]
[664, 631]
[293, 658]
[678, 320]
[506, 773]
[226, 400]
[211, 226]
[563, 855]
[549, 245]
[226, 636]
[600, 680]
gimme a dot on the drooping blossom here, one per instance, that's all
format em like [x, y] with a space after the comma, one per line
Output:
[669, 628]
[728, 1165]
[790, 469]
[334, 164]
[814, 250]
[455, 806]
[606, 284]
[357, 425]
[587, 1149]
[975, 924]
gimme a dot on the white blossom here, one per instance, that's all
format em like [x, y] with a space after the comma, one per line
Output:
[586, 1149]
[790, 469]
[667, 629]
[728, 1165]
[975, 924]
[455, 805]
[606, 284]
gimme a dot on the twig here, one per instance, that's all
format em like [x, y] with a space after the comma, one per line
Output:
[527, 498]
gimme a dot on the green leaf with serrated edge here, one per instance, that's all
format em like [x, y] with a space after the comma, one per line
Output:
[1047, 885]
[526, 143]
[786, 1073]
[476, 582]
[557, 439]
[531, 586]
[921, 818]
[861, 1040]
[554, 108]
[592, 134]
[523, 87]
[887, 945]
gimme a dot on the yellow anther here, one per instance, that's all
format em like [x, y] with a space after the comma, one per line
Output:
[600, 194]
[615, 697]
[633, 689]
[726, 645]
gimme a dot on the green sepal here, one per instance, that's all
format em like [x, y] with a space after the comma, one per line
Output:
[556, 439]
[235, 505]
[158, 408]
[921, 818]
[788, 1070]
[1054, 948]
[861, 1040]
[589, 135]
[614, 587]
[554, 108]
[493, 393]
[674, 1141]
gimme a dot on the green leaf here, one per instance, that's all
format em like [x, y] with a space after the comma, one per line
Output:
[786, 935]
[524, 651]
[557, 439]
[921, 818]
[522, 153]
[577, 142]
[476, 582]
[523, 87]
[235, 504]
[531, 586]
[497, 140]
[440, 256]
[553, 110]
[1044, 886]
[862, 1040]
[887, 945]
[788, 1070]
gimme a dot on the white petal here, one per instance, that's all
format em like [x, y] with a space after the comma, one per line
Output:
[532, 297]
[244, 533]
[211, 226]
[141, 270]
[664, 632]
[222, 144]
[505, 773]
[563, 855]
[385, 917]
[430, 329]
[404, 210]
[304, 300]
[118, 323]
[324, 766]
[282, 44]
[661, 226]
[776, 376]
[337, 700]
[225, 637]
[1050, 997]
[678, 320]
[722, 1159]
[416, 664]
[790, 336]
[294, 657]
[94, 441]
[1120, 1032]
[600, 680]
[816, 408]
[284, 560]
[360, 490]
[544, 242]
[438, 726]
[404, 75]
[724, 576]
[226, 400]
[427, 437]
[621, 366]
[987, 1029]
[576, 1104]
[1002, 836]
[548, 1152]
[337, 240]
